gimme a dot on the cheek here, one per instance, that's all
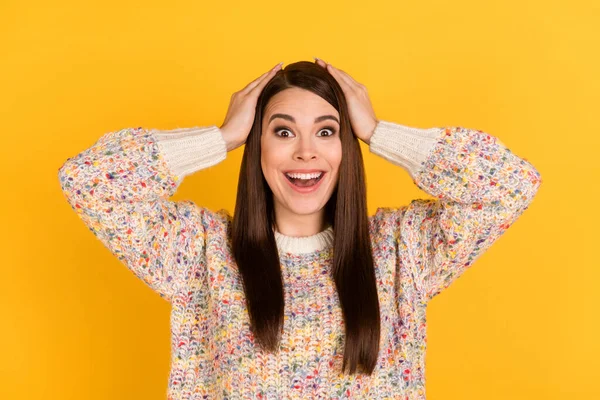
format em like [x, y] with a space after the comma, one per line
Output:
[265, 156]
[335, 156]
[269, 160]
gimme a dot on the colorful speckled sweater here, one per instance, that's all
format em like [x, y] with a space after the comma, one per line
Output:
[120, 188]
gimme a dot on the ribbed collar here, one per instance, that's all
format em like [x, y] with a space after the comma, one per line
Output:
[304, 244]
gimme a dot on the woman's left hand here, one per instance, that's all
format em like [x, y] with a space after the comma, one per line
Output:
[362, 116]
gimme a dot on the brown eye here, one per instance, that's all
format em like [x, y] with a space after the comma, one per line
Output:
[282, 129]
[331, 130]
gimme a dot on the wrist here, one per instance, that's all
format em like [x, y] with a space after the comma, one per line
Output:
[230, 142]
[371, 131]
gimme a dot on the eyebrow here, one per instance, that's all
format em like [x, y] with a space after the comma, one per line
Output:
[290, 118]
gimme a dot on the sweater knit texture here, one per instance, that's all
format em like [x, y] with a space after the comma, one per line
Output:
[120, 188]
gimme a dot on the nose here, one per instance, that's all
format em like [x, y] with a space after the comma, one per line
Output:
[305, 150]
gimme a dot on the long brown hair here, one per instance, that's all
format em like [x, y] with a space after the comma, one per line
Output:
[253, 240]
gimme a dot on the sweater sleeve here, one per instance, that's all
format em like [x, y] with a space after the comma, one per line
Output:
[480, 189]
[120, 188]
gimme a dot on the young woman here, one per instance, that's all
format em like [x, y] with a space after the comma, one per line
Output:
[300, 294]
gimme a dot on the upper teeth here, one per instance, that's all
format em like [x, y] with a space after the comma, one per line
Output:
[304, 176]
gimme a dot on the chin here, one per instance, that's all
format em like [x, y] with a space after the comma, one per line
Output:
[305, 208]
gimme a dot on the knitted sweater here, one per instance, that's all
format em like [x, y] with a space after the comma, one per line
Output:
[120, 188]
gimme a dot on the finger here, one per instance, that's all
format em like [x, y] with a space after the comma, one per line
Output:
[320, 62]
[258, 80]
[347, 78]
[250, 85]
[261, 78]
[339, 78]
[263, 82]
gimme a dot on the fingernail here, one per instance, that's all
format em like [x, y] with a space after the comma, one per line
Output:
[316, 58]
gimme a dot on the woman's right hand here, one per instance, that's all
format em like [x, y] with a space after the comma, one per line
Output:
[242, 107]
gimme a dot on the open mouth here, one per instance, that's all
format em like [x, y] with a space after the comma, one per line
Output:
[305, 180]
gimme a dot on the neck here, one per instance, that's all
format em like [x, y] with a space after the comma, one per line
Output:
[296, 225]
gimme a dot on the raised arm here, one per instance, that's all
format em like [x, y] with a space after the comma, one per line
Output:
[481, 188]
[120, 187]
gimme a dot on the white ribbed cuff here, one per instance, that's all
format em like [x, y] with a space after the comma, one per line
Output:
[187, 150]
[403, 145]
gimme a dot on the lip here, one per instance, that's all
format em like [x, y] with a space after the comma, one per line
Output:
[305, 189]
[303, 171]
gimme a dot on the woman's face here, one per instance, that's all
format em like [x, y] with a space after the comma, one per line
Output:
[300, 135]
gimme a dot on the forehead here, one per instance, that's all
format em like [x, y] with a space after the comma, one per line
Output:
[301, 104]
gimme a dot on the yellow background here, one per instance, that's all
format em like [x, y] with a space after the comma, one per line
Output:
[521, 324]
